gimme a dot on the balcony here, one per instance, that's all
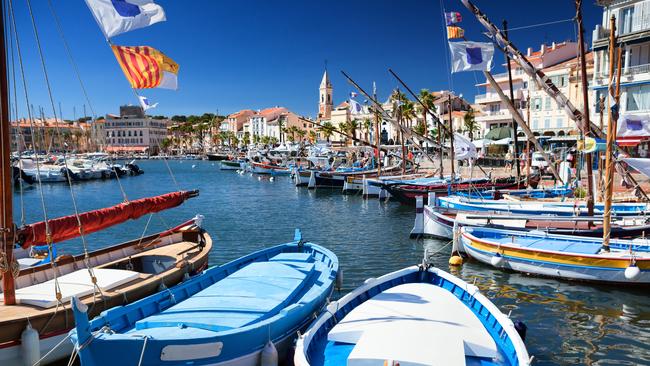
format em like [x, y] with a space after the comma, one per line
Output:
[629, 72]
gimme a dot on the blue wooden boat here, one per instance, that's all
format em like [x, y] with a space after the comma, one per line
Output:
[227, 315]
[415, 316]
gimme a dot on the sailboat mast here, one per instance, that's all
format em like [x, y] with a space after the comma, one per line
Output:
[5, 160]
[377, 133]
[586, 129]
[451, 142]
[513, 123]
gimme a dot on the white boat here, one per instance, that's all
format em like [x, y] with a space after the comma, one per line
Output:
[416, 316]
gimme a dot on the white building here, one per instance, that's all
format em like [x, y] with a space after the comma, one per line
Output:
[633, 33]
[132, 131]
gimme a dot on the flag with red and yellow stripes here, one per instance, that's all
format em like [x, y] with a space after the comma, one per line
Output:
[455, 32]
[146, 67]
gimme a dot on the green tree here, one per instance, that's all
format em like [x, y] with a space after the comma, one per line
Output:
[265, 140]
[166, 143]
[428, 100]
[246, 140]
[328, 129]
[179, 119]
[301, 133]
[469, 122]
[367, 126]
[312, 136]
[273, 140]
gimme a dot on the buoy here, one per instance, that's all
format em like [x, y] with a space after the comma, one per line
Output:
[269, 355]
[271, 179]
[259, 178]
[632, 272]
[30, 346]
[193, 166]
[456, 260]
[497, 260]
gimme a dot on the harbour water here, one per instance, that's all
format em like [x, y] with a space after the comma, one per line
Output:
[567, 323]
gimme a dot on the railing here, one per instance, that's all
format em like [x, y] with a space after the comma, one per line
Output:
[628, 71]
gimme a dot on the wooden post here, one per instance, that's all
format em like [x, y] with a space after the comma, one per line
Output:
[451, 142]
[529, 158]
[585, 125]
[377, 133]
[513, 123]
[521, 122]
[611, 139]
[600, 154]
[6, 207]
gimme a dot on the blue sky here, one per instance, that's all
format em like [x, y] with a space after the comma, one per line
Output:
[260, 53]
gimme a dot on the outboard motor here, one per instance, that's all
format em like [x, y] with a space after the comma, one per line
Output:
[73, 176]
[134, 169]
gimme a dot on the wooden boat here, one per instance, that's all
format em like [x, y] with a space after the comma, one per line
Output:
[559, 256]
[406, 193]
[268, 168]
[337, 178]
[439, 223]
[228, 315]
[415, 316]
[124, 273]
[217, 156]
[575, 208]
[232, 164]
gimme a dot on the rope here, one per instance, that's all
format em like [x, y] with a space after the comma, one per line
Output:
[541, 24]
[52, 350]
[144, 346]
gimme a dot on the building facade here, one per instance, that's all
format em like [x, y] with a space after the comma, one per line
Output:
[132, 131]
[235, 121]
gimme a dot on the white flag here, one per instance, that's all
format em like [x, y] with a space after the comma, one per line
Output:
[118, 16]
[468, 56]
[144, 102]
[355, 107]
[463, 148]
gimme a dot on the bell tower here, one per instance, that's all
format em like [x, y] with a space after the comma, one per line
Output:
[325, 103]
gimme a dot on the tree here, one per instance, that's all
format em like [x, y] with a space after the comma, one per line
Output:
[367, 125]
[408, 112]
[312, 136]
[246, 140]
[420, 129]
[327, 129]
[179, 118]
[265, 140]
[273, 140]
[281, 127]
[428, 100]
[301, 133]
[353, 125]
[470, 124]
[165, 144]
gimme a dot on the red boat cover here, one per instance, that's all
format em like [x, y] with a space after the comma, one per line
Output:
[65, 228]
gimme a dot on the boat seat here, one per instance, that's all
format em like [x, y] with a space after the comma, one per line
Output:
[253, 293]
[76, 283]
[424, 311]
[561, 245]
[303, 262]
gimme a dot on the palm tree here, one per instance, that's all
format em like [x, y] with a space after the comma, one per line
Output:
[246, 140]
[312, 136]
[470, 124]
[408, 112]
[433, 133]
[353, 125]
[367, 125]
[281, 127]
[428, 100]
[327, 129]
[265, 140]
[273, 140]
[301, 133]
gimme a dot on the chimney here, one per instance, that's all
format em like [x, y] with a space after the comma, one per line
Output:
[543, 49]
[530, 51]
[553, 46]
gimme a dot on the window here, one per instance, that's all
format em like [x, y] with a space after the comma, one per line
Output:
[626, 19]
[547, 103]
[559, 123]
[547, 123]
[525, 85]
[129, 133]
[638, 98]
[535, 124]
[537, 104]
[495, 108]
[140, 132]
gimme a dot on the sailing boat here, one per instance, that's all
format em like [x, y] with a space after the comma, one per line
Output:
[35, 314]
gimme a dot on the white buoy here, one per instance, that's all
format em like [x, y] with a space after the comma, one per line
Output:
[271, 179]
[632, 272]
[193, 166]
[269, 355]
[29, 346]
[497, 260]
[259, 178]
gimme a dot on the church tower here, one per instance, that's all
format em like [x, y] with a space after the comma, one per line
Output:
[325, 104]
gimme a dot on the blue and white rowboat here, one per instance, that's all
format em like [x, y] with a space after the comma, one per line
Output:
[227, 315]
[416, 316]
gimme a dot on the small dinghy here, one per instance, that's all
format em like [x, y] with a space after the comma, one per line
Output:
[416, 316]
[234, 314]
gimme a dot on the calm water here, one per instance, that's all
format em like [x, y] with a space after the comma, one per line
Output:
[567, 323]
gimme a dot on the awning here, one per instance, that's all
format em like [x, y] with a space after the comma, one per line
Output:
[505, 141]
[482, 143]
[126, 148]
[564, 138]
[498, 133]
[630, 141]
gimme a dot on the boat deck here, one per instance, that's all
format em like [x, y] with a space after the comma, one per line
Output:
[29, 310]
[253, 293]
[413, 324]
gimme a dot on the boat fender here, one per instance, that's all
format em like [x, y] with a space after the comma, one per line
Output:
[269, 355]
[497, 260]
[455, 260]
[521, 329]
[339, 280]
[198, 220]
[30, 346]
[271, 179]
[632, 272]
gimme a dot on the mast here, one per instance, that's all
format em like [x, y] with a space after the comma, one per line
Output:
[513, 123]
[377, 132]
[400, 121]
[6, 208]
[451, 142]
[529, 157]
[611, 131]
[601, 105]
[586, 130]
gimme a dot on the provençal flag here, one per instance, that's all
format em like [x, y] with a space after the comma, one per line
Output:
[469, 56]
[118, 16]
[146, 67]
[455, 32]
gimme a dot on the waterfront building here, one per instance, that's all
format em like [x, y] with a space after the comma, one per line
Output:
[235, 121]
[633, 34]
[132, 131]
[259, 121]
[48, 134]
[325, 101]
[98, 134]
[495, 113]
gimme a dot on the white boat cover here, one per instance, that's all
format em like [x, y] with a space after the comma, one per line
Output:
[640, 164]
[414, 324]
[77, 283]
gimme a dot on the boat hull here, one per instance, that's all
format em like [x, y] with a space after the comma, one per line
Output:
[231, 165]
[407, 194]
